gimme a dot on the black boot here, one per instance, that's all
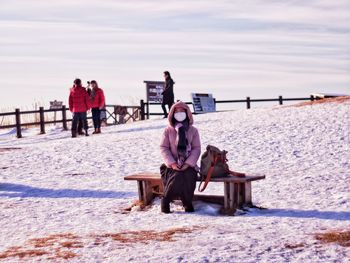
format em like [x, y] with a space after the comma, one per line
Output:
[189, 209]
[86, 133]
[165, 206]
[74, 134]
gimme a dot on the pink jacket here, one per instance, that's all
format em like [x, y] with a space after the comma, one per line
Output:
[168, 147]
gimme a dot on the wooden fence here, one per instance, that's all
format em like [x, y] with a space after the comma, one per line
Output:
[119, 114]
[145, 106]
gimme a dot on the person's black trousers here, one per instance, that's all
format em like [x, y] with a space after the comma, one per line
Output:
[96, 117]
[79, 117]
[164, 109]
[178, 184]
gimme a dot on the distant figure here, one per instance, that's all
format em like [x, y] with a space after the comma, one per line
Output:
[180, 148]
[97, 99]
[168, 93]
[79, 103]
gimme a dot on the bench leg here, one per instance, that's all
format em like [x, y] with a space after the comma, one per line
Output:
[145, 192]
[226, 194]
[248, 194]
[230, 198]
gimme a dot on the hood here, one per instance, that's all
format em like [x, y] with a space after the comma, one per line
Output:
[181, 105]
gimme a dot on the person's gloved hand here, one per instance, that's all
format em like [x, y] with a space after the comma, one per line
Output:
[175, 167]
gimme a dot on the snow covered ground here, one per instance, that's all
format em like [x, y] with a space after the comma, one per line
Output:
[70, 193]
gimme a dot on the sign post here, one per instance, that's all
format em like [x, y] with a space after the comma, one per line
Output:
[55, 105]
[203, 102]
[154, 91]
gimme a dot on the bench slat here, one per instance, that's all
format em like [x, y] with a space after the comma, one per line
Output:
[156, 177]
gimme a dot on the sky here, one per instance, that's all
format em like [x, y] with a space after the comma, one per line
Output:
[233, 49]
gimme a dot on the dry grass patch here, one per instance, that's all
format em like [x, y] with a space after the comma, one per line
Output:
[22, 253]
[63, 246]
[146, 236]
[340, 237]
[54, 247]
[294, 246]
[136, 205]
[7, 149]
[321, 101]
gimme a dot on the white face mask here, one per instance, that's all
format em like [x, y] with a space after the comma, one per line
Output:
[180, 116]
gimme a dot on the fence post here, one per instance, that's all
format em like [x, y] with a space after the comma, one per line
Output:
[312, 98]
[148, 113]
[142, 111]
[42, 120]
[214, 103]
[248, 102]
[18, 123]
[64, 118]
[280, 100]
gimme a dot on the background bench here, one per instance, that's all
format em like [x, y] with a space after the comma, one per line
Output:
[237, 190]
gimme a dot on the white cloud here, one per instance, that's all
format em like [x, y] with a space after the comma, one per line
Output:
[217, 44]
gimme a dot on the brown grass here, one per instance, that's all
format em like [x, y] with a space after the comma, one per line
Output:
[321, 101]
[60, 246]
[294, 246]
[22, 253]
[134, 204]
[340, 237]
[9, 149]
[55, 246]
[146, 236]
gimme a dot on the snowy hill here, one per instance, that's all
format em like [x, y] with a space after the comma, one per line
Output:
[64, 199]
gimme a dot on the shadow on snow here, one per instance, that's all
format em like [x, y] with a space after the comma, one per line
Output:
[18, 190]
[295, 213]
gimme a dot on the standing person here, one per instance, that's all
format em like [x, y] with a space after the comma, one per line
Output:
[97, 98]
[168, 93]
[81, 124]
[79, 103]
[180, 148]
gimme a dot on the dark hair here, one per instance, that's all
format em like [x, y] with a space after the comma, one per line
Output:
[77, 82]
[167, 73]
[93, 82]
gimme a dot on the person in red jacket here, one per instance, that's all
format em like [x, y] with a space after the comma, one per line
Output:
[79, 104]
[97, 99]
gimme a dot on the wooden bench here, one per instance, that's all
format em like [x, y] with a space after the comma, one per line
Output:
[237, 190]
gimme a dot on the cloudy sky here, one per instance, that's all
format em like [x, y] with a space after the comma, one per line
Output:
[233, 49]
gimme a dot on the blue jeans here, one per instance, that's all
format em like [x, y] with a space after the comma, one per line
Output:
[96, 117]
[79, 117]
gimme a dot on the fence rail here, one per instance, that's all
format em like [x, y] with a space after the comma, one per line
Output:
[145, 105]
[119, 114]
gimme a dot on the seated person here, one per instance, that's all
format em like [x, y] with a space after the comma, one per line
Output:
[180, 148]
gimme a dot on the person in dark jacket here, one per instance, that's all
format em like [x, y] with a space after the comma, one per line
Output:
[79, 104]
[168, 93]
[97, 99]
[180, 148]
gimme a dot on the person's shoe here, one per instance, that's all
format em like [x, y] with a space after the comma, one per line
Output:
[81, 133]
[74, 134]
[95, 131]
[165, 206]
[86, 133]
[189, 209]
[98, 130]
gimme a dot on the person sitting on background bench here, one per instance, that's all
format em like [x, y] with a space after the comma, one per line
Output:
[180, 148]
